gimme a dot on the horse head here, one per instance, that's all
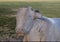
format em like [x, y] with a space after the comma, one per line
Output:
[25, 19]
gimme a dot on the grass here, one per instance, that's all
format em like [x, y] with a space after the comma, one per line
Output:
[28, 0]
[7, 27]
[49, 9]
[7, 24]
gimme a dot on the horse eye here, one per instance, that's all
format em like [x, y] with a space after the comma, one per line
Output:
[31, 9]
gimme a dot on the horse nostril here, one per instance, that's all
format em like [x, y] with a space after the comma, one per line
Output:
[22, 29]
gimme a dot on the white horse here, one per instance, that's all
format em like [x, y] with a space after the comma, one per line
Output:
[35, 27]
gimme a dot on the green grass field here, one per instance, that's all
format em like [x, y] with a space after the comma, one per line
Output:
[29, 0]
[50, 9]
[7, 24]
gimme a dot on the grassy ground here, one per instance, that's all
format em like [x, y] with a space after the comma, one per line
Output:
[28, 0]
[50, 9]
[7, 24]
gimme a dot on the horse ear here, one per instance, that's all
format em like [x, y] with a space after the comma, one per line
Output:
[29, 7]
[38, 14]
[37, 11]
